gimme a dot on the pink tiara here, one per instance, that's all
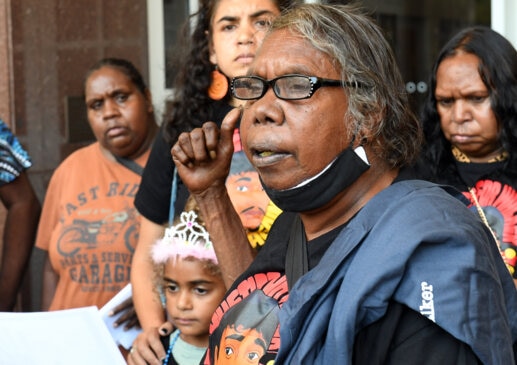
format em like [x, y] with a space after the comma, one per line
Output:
[184, 239]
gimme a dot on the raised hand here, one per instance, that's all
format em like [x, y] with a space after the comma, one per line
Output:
[203, 156]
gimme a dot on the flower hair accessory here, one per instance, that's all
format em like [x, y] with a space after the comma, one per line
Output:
[184, 239]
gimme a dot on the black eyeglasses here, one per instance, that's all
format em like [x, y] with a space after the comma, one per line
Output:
[286, 87]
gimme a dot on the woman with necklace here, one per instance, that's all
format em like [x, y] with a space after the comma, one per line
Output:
[192, 286]
[470, 119]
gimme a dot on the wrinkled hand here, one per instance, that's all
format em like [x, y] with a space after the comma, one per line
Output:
[147, 347]
[203, 156]
[128, 316]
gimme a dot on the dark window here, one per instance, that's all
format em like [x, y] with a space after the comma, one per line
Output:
[175, 14]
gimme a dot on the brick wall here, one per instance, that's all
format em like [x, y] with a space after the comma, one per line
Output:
[50, 44]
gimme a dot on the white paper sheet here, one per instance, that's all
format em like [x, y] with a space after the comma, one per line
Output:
[73, 336]
[121, 336]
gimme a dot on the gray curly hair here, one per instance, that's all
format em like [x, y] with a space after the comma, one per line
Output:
[378, 108]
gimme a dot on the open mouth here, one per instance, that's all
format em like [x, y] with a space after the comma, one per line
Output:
[265, 153]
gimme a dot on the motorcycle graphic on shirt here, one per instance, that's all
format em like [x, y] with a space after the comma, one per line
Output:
[84, 234]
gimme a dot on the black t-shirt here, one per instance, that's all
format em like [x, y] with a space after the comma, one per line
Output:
[462, 175]
[154, 195]
[402, 336]
[273, 258]
[471, 173]
[495, 190]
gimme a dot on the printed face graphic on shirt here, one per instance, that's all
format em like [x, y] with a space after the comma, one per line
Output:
[244, 328]
[246, 192]
[240, 346]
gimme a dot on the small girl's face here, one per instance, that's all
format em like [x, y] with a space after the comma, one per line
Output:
[192, 295]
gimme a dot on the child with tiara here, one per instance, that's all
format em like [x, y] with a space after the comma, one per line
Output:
[192, 286]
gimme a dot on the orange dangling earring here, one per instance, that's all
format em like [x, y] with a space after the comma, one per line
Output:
[219, 85]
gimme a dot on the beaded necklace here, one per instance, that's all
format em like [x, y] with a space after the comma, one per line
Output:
[171, 346]
[461, 157]
[484, 219]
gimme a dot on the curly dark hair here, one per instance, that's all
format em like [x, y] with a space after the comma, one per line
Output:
[191, 106]
[498, 71]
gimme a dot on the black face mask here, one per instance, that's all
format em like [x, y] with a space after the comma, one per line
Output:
[321, 189]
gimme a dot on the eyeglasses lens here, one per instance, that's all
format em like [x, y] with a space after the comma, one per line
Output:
[287, 87]
[292, 87]
[248, 88]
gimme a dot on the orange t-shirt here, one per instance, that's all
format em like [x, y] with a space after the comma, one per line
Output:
[89, 226]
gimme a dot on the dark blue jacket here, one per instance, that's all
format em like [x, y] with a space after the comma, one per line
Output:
[416, 245]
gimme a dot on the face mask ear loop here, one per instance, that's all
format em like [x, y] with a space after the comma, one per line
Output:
[359, 150]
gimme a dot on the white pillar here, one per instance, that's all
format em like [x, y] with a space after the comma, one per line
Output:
[503, 14]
